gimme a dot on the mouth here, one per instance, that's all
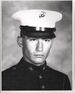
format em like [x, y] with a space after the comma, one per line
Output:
[39, 55]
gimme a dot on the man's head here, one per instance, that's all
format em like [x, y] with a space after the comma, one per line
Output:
[35, 50]
[37, 33]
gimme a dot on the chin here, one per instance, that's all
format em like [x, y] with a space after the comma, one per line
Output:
[38, 61]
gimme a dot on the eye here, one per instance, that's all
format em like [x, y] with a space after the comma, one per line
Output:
[32, 39]
[46, 40]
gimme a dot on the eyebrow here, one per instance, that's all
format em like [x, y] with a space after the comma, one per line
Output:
[37, 38]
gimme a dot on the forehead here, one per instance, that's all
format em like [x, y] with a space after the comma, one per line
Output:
[32, 37]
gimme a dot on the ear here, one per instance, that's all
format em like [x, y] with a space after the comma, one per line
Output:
[19, 41]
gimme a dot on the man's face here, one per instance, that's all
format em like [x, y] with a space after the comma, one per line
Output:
[36, 50]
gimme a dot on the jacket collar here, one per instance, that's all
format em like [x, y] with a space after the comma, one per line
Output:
[31, 67]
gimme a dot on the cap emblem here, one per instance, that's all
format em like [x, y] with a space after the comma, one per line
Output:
[42, 14]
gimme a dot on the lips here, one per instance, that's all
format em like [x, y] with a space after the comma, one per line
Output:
[39, 55]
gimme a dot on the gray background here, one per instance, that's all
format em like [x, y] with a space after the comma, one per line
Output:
[60, 57]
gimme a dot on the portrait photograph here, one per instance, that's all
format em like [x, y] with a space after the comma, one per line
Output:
[37, 45]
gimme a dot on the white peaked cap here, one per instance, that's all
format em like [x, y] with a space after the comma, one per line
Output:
[38, 18]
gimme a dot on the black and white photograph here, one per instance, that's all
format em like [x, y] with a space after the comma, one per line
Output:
[36, 45]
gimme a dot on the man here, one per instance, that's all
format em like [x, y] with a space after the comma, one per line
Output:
[36, 38]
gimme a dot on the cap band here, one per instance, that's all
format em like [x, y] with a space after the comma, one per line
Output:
[32, 32]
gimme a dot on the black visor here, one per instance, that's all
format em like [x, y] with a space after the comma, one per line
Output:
[31, 32]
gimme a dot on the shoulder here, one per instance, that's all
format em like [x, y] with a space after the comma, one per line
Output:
[9, 71]
[15, 70]
[59, 77]
[56, 73]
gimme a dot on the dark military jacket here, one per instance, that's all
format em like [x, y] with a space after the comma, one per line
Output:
[26, 76]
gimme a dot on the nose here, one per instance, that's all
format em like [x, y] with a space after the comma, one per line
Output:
[39, 46]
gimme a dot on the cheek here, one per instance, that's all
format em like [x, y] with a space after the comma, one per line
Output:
[47, 48]
[30, 47]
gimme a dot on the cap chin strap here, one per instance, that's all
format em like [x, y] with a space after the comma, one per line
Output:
[32, 32]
